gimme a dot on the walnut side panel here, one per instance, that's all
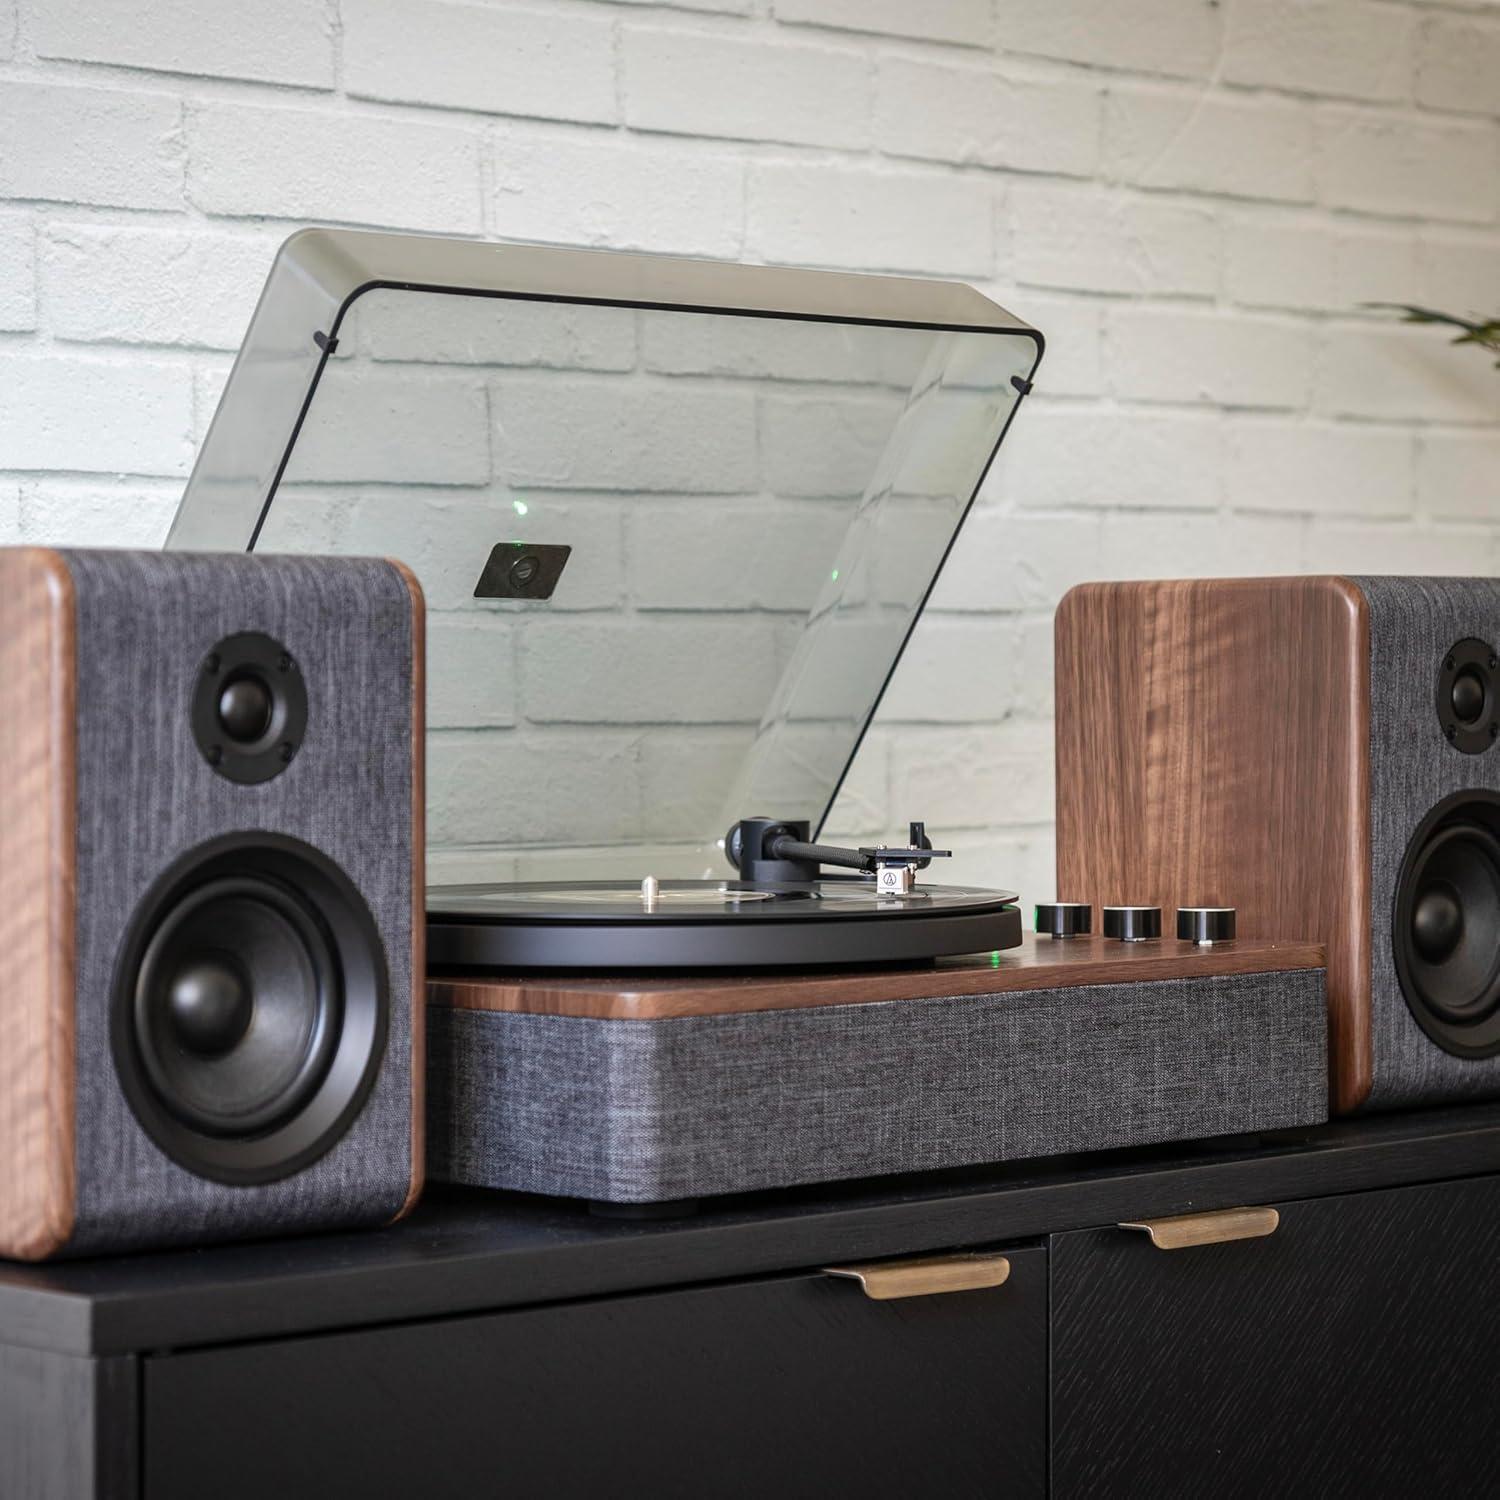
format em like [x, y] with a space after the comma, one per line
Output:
[37, 851]
[418, 886]
[1213, 739]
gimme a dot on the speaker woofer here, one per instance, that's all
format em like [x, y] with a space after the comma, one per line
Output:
[237, 1005]
[250, 1008]
[1446, 924]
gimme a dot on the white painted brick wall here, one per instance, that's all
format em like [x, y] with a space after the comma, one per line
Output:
[1066, 455]
[965, 112]
[959, 21]
[1179, 37]
[275, 41]
[1387, 163]
[556, 66]
[67, 412]
[1294, 261]
[1330, 47]
[1461, 268]
[406, 172]
[1192, 355]
[1397, 373]
[1247, 145]
[1458, 64]
[1194, 199]
[143, 267]
[18, 287]
[617, 191]
[711, 84]
[1281, 464]
[1456, 474]
[1076, 238]
[857, 215]
[91, 145]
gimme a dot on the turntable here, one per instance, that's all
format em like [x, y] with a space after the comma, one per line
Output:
[675, 522]
[781, 912]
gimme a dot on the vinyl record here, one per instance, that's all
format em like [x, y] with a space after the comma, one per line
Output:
[710, 924]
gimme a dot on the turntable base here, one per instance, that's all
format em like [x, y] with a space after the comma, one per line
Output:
[637, 1091]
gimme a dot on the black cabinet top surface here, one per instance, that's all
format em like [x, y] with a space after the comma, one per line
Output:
[463, 1252]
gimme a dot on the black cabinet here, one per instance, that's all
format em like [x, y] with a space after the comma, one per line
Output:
[789, 1386]
[68, 1426]
[495, 1344]
[1354, 1351]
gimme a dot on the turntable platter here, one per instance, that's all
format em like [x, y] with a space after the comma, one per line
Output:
[710, 924]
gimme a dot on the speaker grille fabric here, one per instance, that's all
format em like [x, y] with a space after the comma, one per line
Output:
[649, 1111]
[1413, 623]
[146, 796]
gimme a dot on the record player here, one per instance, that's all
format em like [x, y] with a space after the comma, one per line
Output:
[675, 522]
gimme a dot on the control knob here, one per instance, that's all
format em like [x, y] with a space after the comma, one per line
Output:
[1132, 924]
[1064, 919]
[1205, 924]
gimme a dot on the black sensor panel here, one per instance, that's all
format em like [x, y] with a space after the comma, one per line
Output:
[522, 570]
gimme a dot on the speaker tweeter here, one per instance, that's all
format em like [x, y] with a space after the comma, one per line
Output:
[1467, 707]
[249, 708]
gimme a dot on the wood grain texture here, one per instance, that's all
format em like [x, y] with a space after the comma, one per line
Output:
[1351, 1353]
[1039, 963]
[1213, 748]
[418, 887]
[37, 880]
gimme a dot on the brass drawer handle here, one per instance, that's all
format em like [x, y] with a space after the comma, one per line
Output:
[884, 1280]
[1208, 1229]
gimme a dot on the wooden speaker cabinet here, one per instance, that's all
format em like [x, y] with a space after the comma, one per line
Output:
[211, 885]
[1319, 753]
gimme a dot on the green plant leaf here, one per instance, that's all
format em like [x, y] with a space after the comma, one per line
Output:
[1484, 333]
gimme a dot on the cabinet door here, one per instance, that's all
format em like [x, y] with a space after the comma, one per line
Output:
[790, 1386]
[1354, 1351]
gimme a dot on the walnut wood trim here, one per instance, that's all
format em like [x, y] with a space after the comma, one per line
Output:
[38, 848]
[1213, 747]
[418, 886]
[1039, 963]
[1350, 1029]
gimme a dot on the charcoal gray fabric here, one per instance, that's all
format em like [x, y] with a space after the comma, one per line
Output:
[648, 1111]
[1413, 623]
[146, 796]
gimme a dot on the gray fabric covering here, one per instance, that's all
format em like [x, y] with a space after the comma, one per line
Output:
[648, 1111]
[1413, 623]
[146, 796]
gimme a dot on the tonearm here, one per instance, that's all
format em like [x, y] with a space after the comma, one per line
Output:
[778, 850]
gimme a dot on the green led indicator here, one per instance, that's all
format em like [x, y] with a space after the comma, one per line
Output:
[520, 507]
[994, 960]
[835, 575]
